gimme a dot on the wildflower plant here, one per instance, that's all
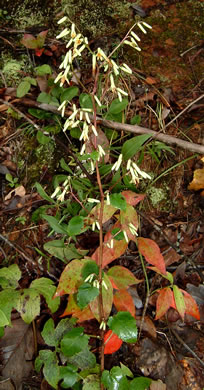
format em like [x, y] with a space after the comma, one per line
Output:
[86, 280]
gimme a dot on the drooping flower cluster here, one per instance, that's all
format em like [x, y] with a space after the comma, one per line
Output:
[80, 117]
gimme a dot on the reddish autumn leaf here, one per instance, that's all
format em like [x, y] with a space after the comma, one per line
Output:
[132, 198]
[48, 53]
[70, 278]
[191, 305]
[38, 52]
[74, 310]
[107, 296]
[179, 301]
[124, 302]
[151, 252]
[121, 277]
[29, 41]
[110, 254]
[165, 300]
[112, 342]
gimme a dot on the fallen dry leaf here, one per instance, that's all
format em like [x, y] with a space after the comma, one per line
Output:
[20, 191]
[198, 180]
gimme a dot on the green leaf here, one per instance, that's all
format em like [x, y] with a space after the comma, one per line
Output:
[126, 371]
[31, 80]
[64, 326]
[84, 359]
[42, 193]
[51, 369]
[48, 333]
[133, 145]
[40, 114]
[89, 268]
[117, 106]
[28, 305]
[8, 300]
[74, 341]
[45, 287]
[43, 69]
[124, 325]
[118, 201]
[42, 138]
[135, 120]
[86, 293]
[3, 319]
[91, 382]
[12, 274]
[115, 379]
[140, 383]
[75, 133]
[85, 101]
[75, 225]
[69, 376]
[179, 301]
[23, 89]
[53, 222]
[44, 97]
[65, 166]
[58, 249]
[1, 332]
[69, 94]
[107, 294]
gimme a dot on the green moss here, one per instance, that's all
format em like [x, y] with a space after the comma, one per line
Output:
[159, 197]
[95, 18]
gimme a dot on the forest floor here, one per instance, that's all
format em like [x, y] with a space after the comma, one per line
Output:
[166, 91]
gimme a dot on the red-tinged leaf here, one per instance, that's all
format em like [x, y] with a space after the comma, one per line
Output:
[179, 301]
[110, 254]
[191, 306]
[127, 217]
[38, 52]
[147, 326]
[112, 342]
[124, 302]
[121, 277]
[132, 198]
[41, 38]
[70, 278]
[151, 252]
[29, 41]
[74, 310]
[107, 296]
[48, 53]
[108, 211]
[164, 302]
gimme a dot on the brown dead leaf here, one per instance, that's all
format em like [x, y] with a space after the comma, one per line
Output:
[150, 80]
[198, 180]
[19, 191]
[170, 42]
[17, 350]
[158, 385]
[147, 326]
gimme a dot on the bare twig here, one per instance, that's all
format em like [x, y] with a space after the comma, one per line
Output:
[184, 110]
[168, 139]
[187, 347]
[20, 251]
